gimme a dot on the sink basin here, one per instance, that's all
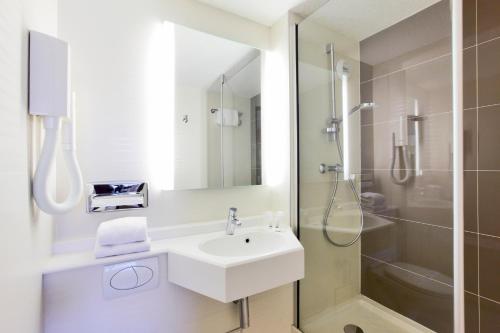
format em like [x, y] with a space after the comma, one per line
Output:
[253, 243]
[231, 267]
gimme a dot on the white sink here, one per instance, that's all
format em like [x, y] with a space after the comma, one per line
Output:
[230, 267]
[248, 244]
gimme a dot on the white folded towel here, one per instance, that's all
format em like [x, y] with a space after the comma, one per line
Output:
[122, 231]
[102, 251]
[372, 199]
[231, 117]
[373, 209]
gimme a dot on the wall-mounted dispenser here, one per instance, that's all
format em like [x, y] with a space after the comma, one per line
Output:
[49, 97]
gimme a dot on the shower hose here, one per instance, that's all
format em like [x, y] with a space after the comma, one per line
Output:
[404, 156]
[332, 201]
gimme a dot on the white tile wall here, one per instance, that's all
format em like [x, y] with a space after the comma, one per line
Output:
[25, 234]
[109, 44]
[108, 41]
[73, 302]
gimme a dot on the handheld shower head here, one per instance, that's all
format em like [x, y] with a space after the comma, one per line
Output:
[359, 107]
[362, 106]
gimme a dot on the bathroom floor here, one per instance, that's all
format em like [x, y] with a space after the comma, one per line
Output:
[360, 311]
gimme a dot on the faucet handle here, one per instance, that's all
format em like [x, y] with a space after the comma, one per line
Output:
[232, 215]
[232, 212]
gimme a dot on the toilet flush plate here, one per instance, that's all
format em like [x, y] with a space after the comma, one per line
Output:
[130, 277]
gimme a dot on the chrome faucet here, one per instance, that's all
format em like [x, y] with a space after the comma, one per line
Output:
[232, 221]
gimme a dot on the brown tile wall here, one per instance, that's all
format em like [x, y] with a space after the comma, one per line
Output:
[482, 163]
[407, 243]
[407, 263]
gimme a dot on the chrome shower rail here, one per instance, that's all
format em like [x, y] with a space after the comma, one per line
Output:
[334, 131]
[331, 51]
[222, 82]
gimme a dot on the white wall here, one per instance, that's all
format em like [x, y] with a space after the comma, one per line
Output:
[25, 233]
[74, 304]
[109, 43]
[190, 137]
[199, 16]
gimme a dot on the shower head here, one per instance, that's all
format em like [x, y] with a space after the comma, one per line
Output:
[336, 121]
[362, 106]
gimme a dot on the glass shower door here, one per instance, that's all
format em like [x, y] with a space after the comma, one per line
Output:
[376, 167]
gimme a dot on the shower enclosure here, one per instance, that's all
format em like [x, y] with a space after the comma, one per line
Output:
[379, 160]
[234, 125]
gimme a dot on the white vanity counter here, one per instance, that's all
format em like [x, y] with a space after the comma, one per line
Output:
[204, 259]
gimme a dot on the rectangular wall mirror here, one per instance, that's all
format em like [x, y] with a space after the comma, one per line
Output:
[217, 118]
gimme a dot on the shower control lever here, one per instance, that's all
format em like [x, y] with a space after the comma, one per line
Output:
[323, 168]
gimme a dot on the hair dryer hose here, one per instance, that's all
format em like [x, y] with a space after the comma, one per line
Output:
[404, 156]
[41, 190]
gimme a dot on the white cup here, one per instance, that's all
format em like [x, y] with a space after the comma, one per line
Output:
[278, 218]
[268, 218]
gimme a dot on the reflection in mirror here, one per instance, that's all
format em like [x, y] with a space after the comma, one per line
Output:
[217, 112]
[241, 106]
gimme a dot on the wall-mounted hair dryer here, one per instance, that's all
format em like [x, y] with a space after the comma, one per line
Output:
[400, 144]
[49, 97]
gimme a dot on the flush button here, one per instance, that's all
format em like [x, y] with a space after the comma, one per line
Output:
[130, 277]
[144, 275]
[124, 279]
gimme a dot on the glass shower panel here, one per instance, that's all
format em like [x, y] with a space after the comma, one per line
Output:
[215, 135]
[232, 133]
[241, 133]
[375, 161]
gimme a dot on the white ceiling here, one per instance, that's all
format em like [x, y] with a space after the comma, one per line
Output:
[264, 12]
[360, 19]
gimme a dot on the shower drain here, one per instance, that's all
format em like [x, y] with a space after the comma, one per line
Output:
[352, 329]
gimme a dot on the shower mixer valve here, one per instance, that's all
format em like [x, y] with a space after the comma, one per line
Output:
[323, 168]
[333, 126]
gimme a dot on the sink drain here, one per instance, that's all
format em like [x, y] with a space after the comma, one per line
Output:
[352, 329]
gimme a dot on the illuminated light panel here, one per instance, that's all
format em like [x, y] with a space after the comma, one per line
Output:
[160, 94]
